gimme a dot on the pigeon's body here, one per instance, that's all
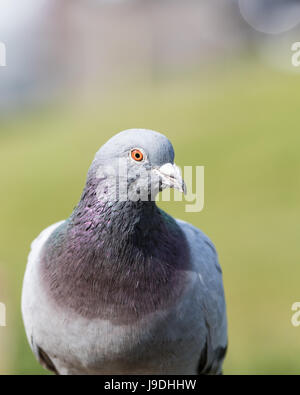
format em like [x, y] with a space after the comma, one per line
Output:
[123, 288]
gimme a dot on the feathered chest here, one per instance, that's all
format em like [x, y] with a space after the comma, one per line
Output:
[118, 265]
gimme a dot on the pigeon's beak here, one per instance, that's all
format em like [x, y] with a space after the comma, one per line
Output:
[170, 176]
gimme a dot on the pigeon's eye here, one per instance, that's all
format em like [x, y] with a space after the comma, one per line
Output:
[137, 155]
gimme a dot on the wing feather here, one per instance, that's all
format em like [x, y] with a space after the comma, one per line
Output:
[211, 296]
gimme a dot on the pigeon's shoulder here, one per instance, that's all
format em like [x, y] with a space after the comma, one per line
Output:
[201, 247]
[39, 242]
[32, 309]
[204, 259]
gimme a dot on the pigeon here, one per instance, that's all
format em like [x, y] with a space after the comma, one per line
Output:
[121, 287]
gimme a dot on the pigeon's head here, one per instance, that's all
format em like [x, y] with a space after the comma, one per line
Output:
[136, 164]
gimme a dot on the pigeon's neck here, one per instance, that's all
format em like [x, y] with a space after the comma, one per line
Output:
[120, 219]
[116, 260]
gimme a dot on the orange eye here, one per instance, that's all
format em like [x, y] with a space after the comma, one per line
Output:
[137, 155]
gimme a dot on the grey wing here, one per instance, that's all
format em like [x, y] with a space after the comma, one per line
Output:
[210, 296]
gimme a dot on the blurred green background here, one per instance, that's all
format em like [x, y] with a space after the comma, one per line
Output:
[240, 119]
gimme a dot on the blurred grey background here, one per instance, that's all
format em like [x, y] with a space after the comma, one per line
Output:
[58, 48]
